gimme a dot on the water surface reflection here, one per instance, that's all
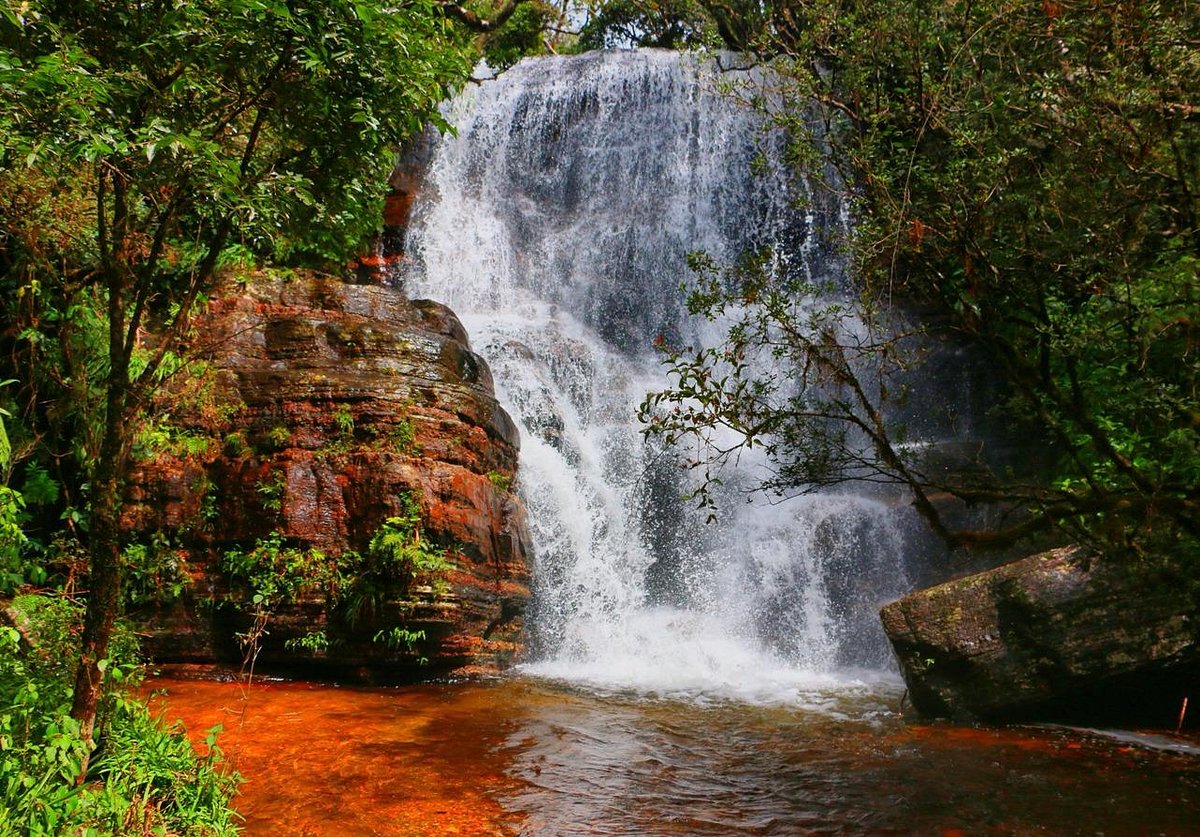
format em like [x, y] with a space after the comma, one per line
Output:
[522, 756]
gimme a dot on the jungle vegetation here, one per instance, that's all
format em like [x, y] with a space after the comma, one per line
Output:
[148, 146]
[1023, 178]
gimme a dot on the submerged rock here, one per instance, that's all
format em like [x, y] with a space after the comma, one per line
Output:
[1061, 636]
[328, 408]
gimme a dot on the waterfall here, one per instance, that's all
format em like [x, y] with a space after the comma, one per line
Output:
[556, 222]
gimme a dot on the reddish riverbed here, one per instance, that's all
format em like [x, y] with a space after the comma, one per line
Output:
[522, 756]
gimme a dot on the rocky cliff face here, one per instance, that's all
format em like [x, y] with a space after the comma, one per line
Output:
[325, 410]
[1061, 636]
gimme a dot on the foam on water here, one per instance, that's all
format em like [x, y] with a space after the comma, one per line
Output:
[556, 224]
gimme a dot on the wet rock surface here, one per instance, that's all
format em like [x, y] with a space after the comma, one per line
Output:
[327, 408]
[1062, 635]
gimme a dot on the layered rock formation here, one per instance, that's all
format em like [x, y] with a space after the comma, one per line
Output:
[326, 409]
[1059, 636]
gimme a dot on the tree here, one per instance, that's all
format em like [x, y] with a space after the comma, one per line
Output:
[173, 137]
[741, 25]
[1025, 178]
[649, 23]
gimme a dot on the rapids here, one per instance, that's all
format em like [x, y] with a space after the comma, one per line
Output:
[556, 222]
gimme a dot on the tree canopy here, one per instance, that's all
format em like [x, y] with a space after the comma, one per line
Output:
[1024, 181]
[146, 146]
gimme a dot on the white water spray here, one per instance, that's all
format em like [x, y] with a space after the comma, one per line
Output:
[556, 224]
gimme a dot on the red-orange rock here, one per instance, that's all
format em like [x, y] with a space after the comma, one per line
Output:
[327, 404]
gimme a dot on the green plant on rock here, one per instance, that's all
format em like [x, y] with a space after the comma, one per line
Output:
[340, 446]
[280, 436]
[155, 571]
[343, 420]
[161, 438]
[314, 642]
[271, 491]
[235, 444]
[343, 442]
[503, 482]
[399, 548]
[398, 560]
[210, 494]
[404, 437]
[398, 563]
[272, 572]
[402, 639]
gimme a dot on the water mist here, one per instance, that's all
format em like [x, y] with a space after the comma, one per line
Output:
[556, 223]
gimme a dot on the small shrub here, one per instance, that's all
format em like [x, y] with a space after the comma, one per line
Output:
[164, 439]
[402, 639]
[38, 487]
[155, 571]
[503, 482]
[398, 547]
[209, 511]
[316, 642]
[404, 437]
[235, 444]
[145, 773]
[343, 420]
[280, 436]
[397, 558]
[271, 491]
[15, 569]
[273, 572]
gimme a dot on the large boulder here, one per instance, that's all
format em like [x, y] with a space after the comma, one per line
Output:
[1062, 636]
[327, 408]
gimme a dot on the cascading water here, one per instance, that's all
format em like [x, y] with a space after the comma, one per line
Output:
[556, 223]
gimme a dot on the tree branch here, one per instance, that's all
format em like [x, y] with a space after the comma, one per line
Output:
[478, 24]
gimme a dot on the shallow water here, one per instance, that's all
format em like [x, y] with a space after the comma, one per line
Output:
[529, 756]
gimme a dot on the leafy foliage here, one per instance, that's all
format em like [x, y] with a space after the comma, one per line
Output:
[354, 585]
[13, 569]
[1023, 176]
[274, 572]
[155, 571]
[397, 549]
[741, 25]
[152, 777]
[649, 23]
[522, 35]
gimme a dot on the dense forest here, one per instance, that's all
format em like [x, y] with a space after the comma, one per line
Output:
[1024, 180]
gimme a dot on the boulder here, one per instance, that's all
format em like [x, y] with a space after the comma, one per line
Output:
[324, 409]
[1063, 636]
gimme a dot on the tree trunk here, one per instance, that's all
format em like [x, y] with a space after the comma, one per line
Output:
[102, 602]
[104, 533]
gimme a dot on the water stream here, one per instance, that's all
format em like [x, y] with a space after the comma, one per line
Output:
[556, 222]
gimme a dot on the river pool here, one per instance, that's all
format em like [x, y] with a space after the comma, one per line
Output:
[527, 756]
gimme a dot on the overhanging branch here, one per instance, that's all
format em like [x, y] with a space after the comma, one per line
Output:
[473, 21]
